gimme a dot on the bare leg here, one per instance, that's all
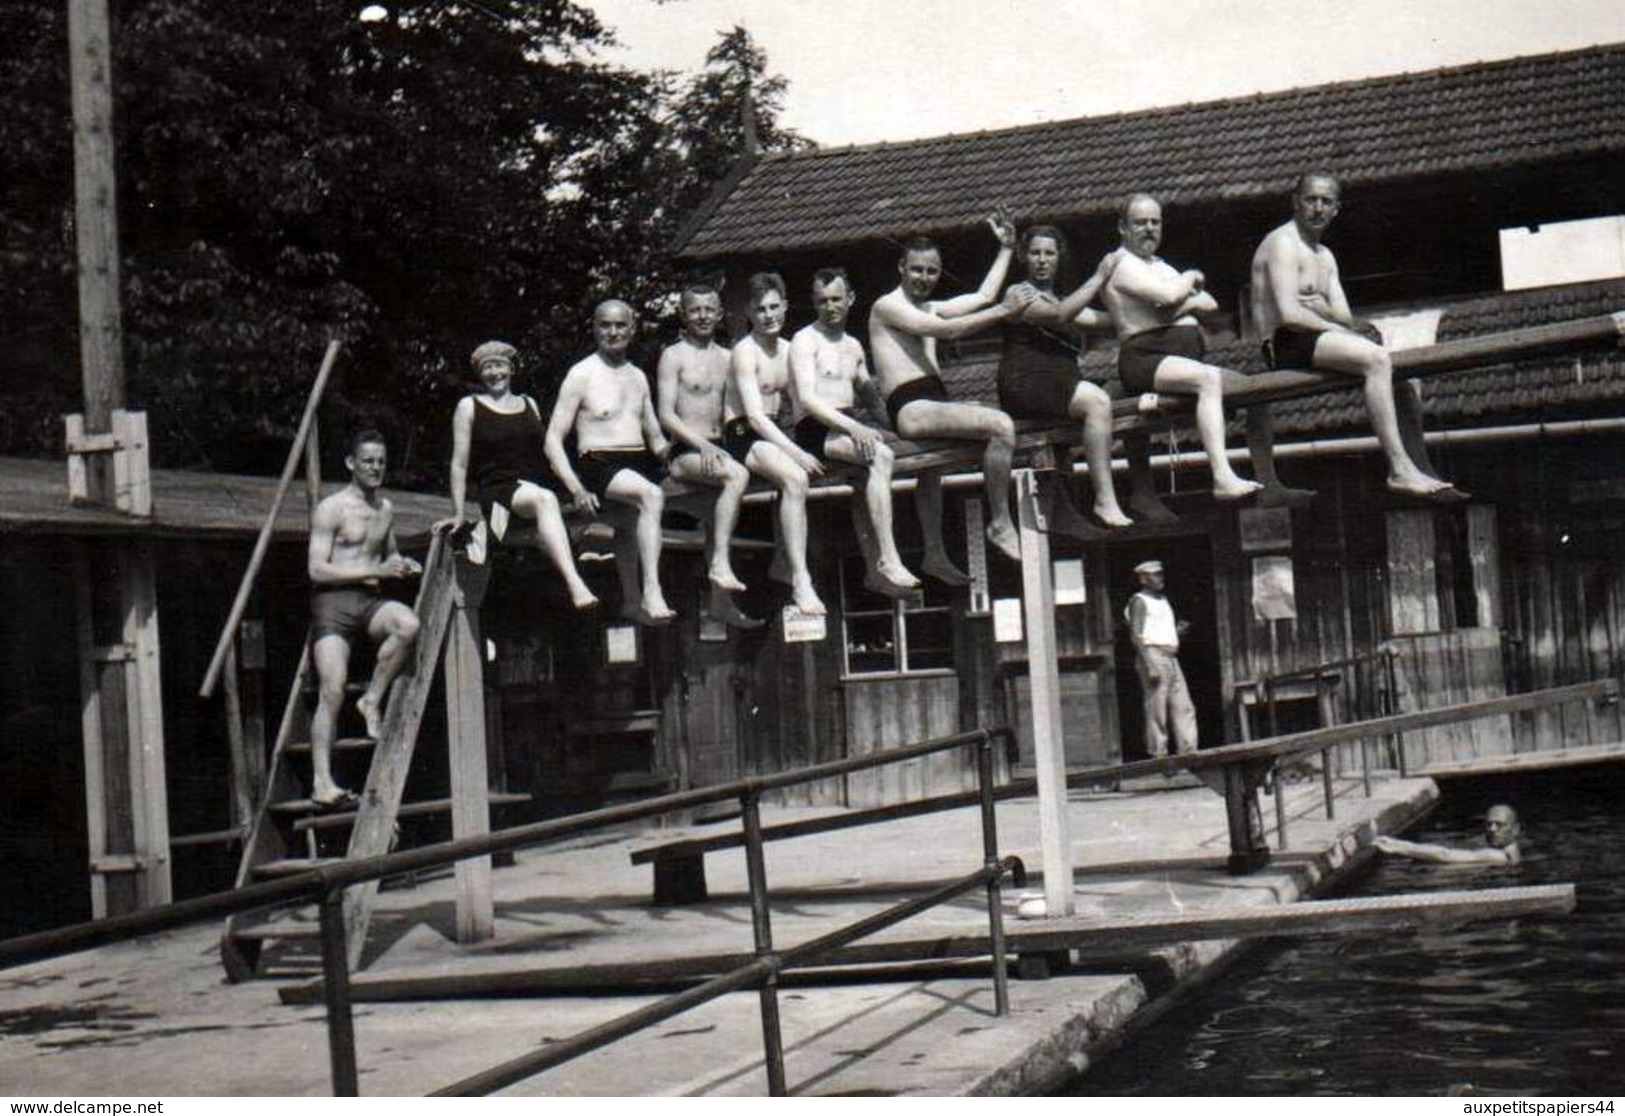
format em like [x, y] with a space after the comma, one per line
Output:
[394, 627]
[928, 507]
[931, 418]
[1261, 449]
[1353, 355]
[731, 484]
[1094, 407]
[1142, 494]
[537, 503]
[769, 461]
[1181, 375]
[630, 488]
[330, 654]
[625, 522]
[872, 517]
[1408, 405]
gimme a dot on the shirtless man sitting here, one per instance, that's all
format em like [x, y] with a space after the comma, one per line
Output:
[904, 328]
[1160, 345]
[758, 392]
[1299, 308]
[827, 371]
[691, 383]
[352, 549]
[619, 446]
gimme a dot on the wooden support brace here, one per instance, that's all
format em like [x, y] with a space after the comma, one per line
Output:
[465, 737]
[127, 445]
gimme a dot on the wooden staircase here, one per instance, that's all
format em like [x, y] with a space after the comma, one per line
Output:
[289, 834]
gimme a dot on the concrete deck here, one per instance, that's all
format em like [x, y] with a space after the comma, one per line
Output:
[155, 1017]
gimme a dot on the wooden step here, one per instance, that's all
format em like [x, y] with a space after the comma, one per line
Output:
[278, 931]
[424, 808]
[342, 744]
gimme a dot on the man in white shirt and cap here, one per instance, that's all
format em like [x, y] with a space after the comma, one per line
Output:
[1155, 632]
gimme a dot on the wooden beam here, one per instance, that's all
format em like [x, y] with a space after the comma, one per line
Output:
[464, 672]
[101, 334]
[1088, 936]
[263, 543]
[1038, 616]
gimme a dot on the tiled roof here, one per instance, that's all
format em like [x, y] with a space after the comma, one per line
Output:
[1523, 392]
[1481, 117]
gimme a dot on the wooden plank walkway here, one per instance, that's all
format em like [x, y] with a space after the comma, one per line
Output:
[1088, 936]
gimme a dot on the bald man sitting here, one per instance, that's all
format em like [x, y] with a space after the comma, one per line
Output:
[621, 451]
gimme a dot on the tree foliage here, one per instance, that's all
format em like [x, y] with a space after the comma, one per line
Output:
[290, 172]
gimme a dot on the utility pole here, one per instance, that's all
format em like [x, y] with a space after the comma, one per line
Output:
[115, 582]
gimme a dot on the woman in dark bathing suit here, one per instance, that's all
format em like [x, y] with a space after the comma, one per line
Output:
[497, 437]
[1038, 372]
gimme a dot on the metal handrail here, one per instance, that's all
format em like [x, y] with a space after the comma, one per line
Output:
[326, 884]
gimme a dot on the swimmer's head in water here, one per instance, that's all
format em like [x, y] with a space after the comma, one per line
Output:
[1501, 826]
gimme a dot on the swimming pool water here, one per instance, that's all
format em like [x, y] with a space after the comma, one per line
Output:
[1524, 1006]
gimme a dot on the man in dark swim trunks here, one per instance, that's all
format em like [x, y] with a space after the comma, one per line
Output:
[904, 328]
[621, 450]
[353, 548]
[827, 371]
[1160, 346]
[1301, 312]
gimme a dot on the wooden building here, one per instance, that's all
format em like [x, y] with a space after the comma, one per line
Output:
[200, 533]
[1521, 588]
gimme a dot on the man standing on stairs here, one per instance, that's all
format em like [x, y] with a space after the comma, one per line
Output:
[352, 550]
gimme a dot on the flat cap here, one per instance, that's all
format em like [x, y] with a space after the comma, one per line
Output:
[492, 350]
[1150, 566]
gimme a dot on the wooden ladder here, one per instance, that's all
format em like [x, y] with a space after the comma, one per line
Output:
[287, 830]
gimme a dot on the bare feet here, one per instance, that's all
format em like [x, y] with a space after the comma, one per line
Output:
[940, 567]
[1237, 489]
[723, 608]
[332, 797]
[367, 706]
[1112, 515]
[582, 600]
[806, 599]
[895, 578]
[726, 579]
[1149, 508]
[1005, 539]
[641, 613]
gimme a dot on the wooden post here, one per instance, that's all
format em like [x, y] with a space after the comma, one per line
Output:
[1038, 615]
[101, 335]
[1483, 551]
[464, 673]
[1413, 594]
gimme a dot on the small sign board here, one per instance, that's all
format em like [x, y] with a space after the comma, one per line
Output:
[802, 628]
[1007, 620]
[1068, 577]
[976, 558]
[621, 643]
